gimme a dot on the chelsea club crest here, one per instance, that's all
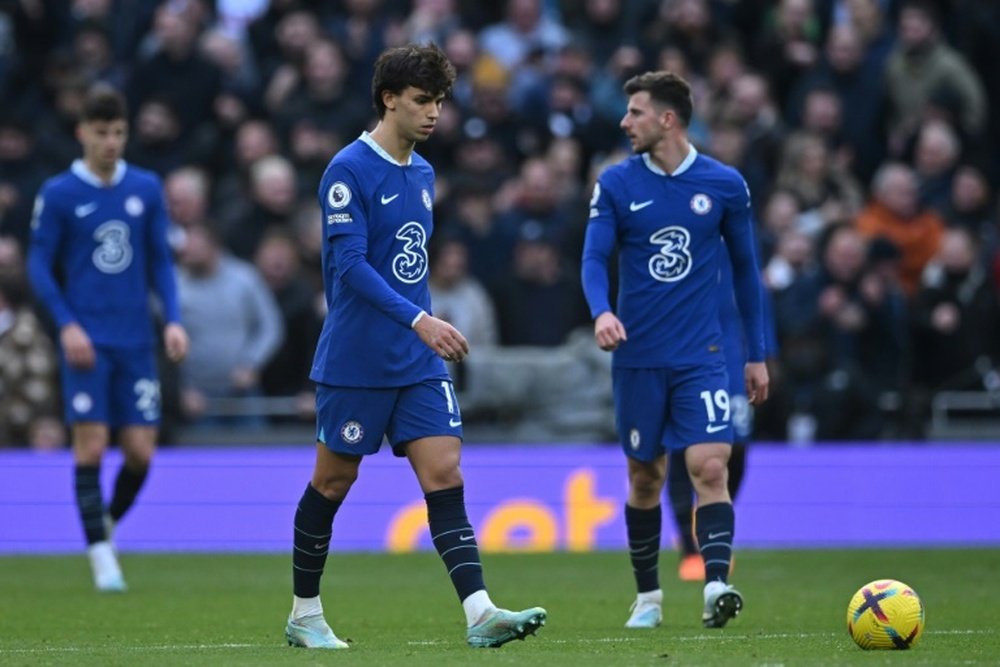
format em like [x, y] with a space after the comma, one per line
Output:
[352, 432]
[701, 204]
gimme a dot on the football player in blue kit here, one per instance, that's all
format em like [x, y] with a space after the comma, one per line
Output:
[379, 364]
[99, 243]
[665, 208]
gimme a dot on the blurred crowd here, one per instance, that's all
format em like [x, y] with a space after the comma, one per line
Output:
[867, 130]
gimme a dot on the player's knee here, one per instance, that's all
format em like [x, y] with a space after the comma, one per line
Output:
[88, 450]
[138, 460]
[440, 478]
[335, 486]
[712, 473]
[138, 443]
[646, 485]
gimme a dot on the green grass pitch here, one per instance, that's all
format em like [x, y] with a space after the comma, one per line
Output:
[400, 610]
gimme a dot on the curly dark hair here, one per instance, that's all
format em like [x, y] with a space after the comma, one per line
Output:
[424, 67]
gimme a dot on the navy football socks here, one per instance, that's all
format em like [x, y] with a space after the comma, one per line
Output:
[716, 524]
[313, 529]
[87, 483]
[455, 540]
[127, 487]
[643, 527]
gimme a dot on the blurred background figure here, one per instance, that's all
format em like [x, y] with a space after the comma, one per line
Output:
[955, 320]
[29, 370]
[823, 192]
[21, 174]
[287, 372]
[895, 212]
[457, 297]
[842, 340]
[923, 65]
[273, 192]
[235, 327]
[541, 301]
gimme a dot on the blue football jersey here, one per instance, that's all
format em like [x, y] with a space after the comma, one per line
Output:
[97, 249]
[367, 197]
[667, 229]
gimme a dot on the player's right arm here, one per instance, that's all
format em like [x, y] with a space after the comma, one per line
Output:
[46, 238]
[598, 245]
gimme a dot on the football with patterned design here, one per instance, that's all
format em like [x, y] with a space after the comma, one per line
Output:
[885, 614]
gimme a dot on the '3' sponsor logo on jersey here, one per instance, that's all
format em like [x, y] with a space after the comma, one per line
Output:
[410, 265]
[672, 261]
[114, 251]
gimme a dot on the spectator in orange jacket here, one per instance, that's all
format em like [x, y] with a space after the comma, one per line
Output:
[895, 213]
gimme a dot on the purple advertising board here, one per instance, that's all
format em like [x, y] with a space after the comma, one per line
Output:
[520, 498]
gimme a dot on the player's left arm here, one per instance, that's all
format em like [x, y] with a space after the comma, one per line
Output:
[161, 263]
[738, 233]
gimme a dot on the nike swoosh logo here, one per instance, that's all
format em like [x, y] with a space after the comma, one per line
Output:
[386, 200]
[321, 546]
[638, 207]
[83, 210]
[712, 536]
[454, 422]
[716, 429]
[466, 538]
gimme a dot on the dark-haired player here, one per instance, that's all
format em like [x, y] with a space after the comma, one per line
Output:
[665, 208]
[99, 245]
[379, 363]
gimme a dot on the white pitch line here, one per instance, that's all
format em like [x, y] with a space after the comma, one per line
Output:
[162, 647]
[714, 637]
[599, 640]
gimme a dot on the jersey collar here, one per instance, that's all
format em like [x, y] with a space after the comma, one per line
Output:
[367, 138]
[79, 167]
[681, 168]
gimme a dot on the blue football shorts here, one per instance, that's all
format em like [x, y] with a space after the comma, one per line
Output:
[659, 409]
[122, 389]
[354, 420]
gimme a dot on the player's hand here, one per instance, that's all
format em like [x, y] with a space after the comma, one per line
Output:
[175, 341]
[77, 346]
[609, 331]
[193, 403]
[447, 341]
[757, 382]
[243, 379]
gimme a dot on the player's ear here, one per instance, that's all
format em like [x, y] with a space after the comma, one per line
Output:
[389, 100]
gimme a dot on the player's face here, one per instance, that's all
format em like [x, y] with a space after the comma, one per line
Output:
[103, 142]
[643, 123]
[416, 113]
